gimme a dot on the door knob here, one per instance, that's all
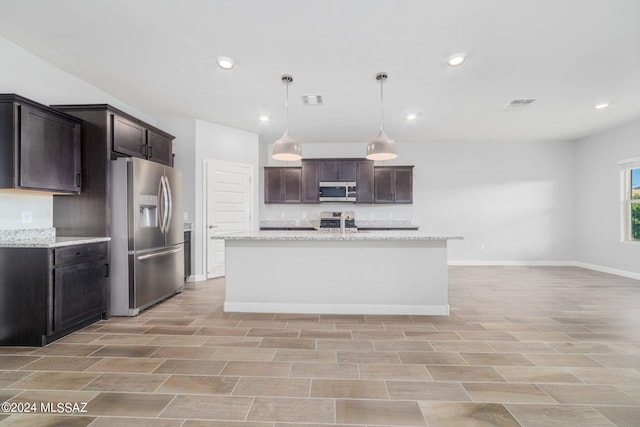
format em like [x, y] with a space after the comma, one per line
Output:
[213, 226]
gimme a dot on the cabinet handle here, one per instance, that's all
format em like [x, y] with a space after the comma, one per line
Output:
[106, 270]
[78, 180]
[143, 150]
[150, 151]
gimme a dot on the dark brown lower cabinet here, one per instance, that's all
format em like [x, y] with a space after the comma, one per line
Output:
[48, 293]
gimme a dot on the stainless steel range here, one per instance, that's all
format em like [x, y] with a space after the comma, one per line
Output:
[337, 221]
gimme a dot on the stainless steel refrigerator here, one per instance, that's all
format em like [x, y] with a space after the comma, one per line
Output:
[147, 252]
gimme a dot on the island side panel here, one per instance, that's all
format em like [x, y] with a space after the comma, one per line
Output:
[346, 277]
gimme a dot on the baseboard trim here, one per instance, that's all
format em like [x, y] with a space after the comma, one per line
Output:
[594, 267]
[196, 278]
[372, 309]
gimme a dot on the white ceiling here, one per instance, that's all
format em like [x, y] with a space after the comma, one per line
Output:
[159, 57]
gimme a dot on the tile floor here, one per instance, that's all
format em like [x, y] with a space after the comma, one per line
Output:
[534, 346]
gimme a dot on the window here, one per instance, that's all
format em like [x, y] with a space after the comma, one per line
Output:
[631, 199]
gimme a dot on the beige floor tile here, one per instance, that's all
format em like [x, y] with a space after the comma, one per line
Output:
[547, 337]
[41, 420]
[589, 394]
[427, 390]
[463, 414]
[402, 345]
[378, 335]
[357, 345]
[582, 348]
[273, 333]
[55, 381]
[496, 359]
[134, 422]
[372, 371]
[198, 384]
[324, 370]
[230, 341]
[57, 349]
[464, 346]
[521, 347]
[621, 416]
[181, 352]
[432, 358]
[607, 375]
[16, 362]
[557, 415]
[120, 329]
[129, 404]
[325, 334]
[537, 374]
[617, 361]
[244, 353]
[561, 360]
[222, 331]
[125, 351]
[292, 410]
[55, 396]
[465, 373]
[377, 412]
[141, 383]
[190, 366]
[123, 364]
[368, 357]
[507, 393]
[275, 387]
[15, 351]
[270, 342]
[9, 377]
[432, 336]
[486, 336]
[181, 340]
[201, 423]
[61, 363]
[301, 355]
[257, 369]
[123, 339]
[349, 389]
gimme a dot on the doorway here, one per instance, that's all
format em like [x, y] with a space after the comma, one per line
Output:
[228, 196]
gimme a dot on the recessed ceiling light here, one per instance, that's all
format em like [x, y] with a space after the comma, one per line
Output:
[456, 60]
[411, 116]
[225, 63]
[601, 106]
[264, 118]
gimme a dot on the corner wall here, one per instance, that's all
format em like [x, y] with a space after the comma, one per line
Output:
[598, 201]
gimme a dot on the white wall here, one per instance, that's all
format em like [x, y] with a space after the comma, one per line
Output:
[512, 201]
[598, 199]
[27, 75]
[197, 140]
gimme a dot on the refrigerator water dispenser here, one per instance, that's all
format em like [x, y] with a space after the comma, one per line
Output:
[148, 210]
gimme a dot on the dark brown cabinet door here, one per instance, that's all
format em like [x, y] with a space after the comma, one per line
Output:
[337, 170]
[364, 181]
[78, 293]
[129, 138]
[49, 151]
[282, 185]
[160, 148]
[310, 181]
[393, 184]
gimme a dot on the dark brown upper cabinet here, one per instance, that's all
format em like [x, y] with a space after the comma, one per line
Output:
[107, 133]
[282, 185]
[364, 181]
[39, 147]
[393, 184]
[336, 170]
[310, 181]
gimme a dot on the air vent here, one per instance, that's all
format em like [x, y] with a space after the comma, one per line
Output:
[311, 100]
[519, 104]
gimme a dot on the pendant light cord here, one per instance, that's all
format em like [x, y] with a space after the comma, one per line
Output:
[381, 105]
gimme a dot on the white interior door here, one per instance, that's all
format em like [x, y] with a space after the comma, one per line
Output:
[228, 205]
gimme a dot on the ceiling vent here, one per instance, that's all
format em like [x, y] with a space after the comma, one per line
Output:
[519, 104]
[312, 100]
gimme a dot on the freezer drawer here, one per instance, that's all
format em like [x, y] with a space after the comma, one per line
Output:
[156, 275]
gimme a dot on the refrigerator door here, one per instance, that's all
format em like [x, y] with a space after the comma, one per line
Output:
[157, 274]
[148, 202]
[174, 224]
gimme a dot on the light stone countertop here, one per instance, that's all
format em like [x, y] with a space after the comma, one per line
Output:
[334, 235]
[55, 242]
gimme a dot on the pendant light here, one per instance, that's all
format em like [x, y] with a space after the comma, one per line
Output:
[286, 148]
[383, 147]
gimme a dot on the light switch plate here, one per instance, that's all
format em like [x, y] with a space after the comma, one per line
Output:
[27, 217]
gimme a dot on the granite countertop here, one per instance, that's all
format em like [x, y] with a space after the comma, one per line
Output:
[42, 238]
[330, 235]
[311, 223]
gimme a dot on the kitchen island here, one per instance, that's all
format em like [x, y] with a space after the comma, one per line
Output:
[381, 272]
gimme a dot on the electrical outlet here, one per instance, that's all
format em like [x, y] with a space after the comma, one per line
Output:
[185, 216]
[27, 217]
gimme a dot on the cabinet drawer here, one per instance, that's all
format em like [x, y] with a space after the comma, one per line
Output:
[79, 253]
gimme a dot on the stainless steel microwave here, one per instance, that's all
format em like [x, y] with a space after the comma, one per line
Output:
[337, 191]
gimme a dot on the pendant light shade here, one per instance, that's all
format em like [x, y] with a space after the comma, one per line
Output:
[286, 148]
[383, 147]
